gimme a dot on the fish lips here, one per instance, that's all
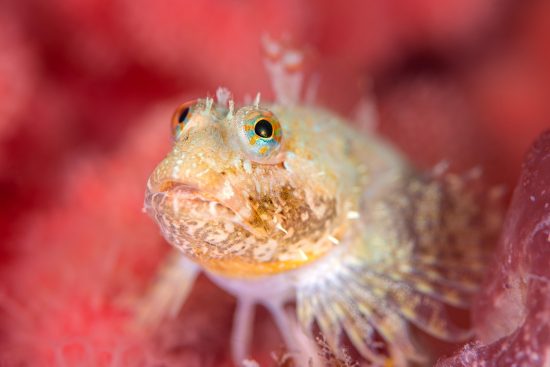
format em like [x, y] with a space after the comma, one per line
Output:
[186, 201]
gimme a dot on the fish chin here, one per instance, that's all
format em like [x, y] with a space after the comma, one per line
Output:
[226, 241]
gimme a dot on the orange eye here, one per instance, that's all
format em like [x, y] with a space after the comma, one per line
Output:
[181, 117]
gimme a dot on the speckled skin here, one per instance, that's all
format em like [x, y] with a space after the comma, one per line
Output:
[364, 243]
[245, 217]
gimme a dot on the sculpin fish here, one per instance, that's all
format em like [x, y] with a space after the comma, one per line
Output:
[284, 203]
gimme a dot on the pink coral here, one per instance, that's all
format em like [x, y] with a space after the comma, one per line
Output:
[81, 127]
[17, 72]
[82, 257]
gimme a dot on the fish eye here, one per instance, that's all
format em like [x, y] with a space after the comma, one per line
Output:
[181, 117]
[263, 129]
[261, 134]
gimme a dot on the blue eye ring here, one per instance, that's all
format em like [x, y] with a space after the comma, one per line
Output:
[261, 133]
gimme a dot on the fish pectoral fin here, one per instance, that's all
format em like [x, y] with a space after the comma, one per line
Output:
[168, 293]
[345, 295]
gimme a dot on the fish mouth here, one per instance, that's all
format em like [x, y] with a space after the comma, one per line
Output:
[184, 191]
[180, 193]
[180, 197]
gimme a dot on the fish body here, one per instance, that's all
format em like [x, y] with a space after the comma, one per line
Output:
[243, 215]
[283, 202]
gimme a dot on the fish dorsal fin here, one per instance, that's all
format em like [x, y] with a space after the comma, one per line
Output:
[285, 65]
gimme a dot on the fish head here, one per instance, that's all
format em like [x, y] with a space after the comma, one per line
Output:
[249, 192]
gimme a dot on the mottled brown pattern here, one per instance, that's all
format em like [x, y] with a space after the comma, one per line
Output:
[386, 246]
[297, 218]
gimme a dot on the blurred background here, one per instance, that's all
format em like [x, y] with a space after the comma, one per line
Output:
[87, 88]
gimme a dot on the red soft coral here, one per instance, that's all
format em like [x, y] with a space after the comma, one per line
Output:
[76, 78]
[78, 263]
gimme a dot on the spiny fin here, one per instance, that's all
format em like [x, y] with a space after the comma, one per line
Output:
[419, 251]
[168, 292]
[285, 67]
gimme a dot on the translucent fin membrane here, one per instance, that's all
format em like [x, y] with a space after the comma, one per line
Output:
[363, 303]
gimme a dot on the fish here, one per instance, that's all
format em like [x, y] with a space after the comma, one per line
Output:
[285, 202]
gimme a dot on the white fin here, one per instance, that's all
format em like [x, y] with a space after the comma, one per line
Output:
[312, 89]
[440, 168]
[231, 109]
[284, 66]
[242, 330]
[223, 95]
[209, 102]
[301, 347]
[366, 115]
[169, 292]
